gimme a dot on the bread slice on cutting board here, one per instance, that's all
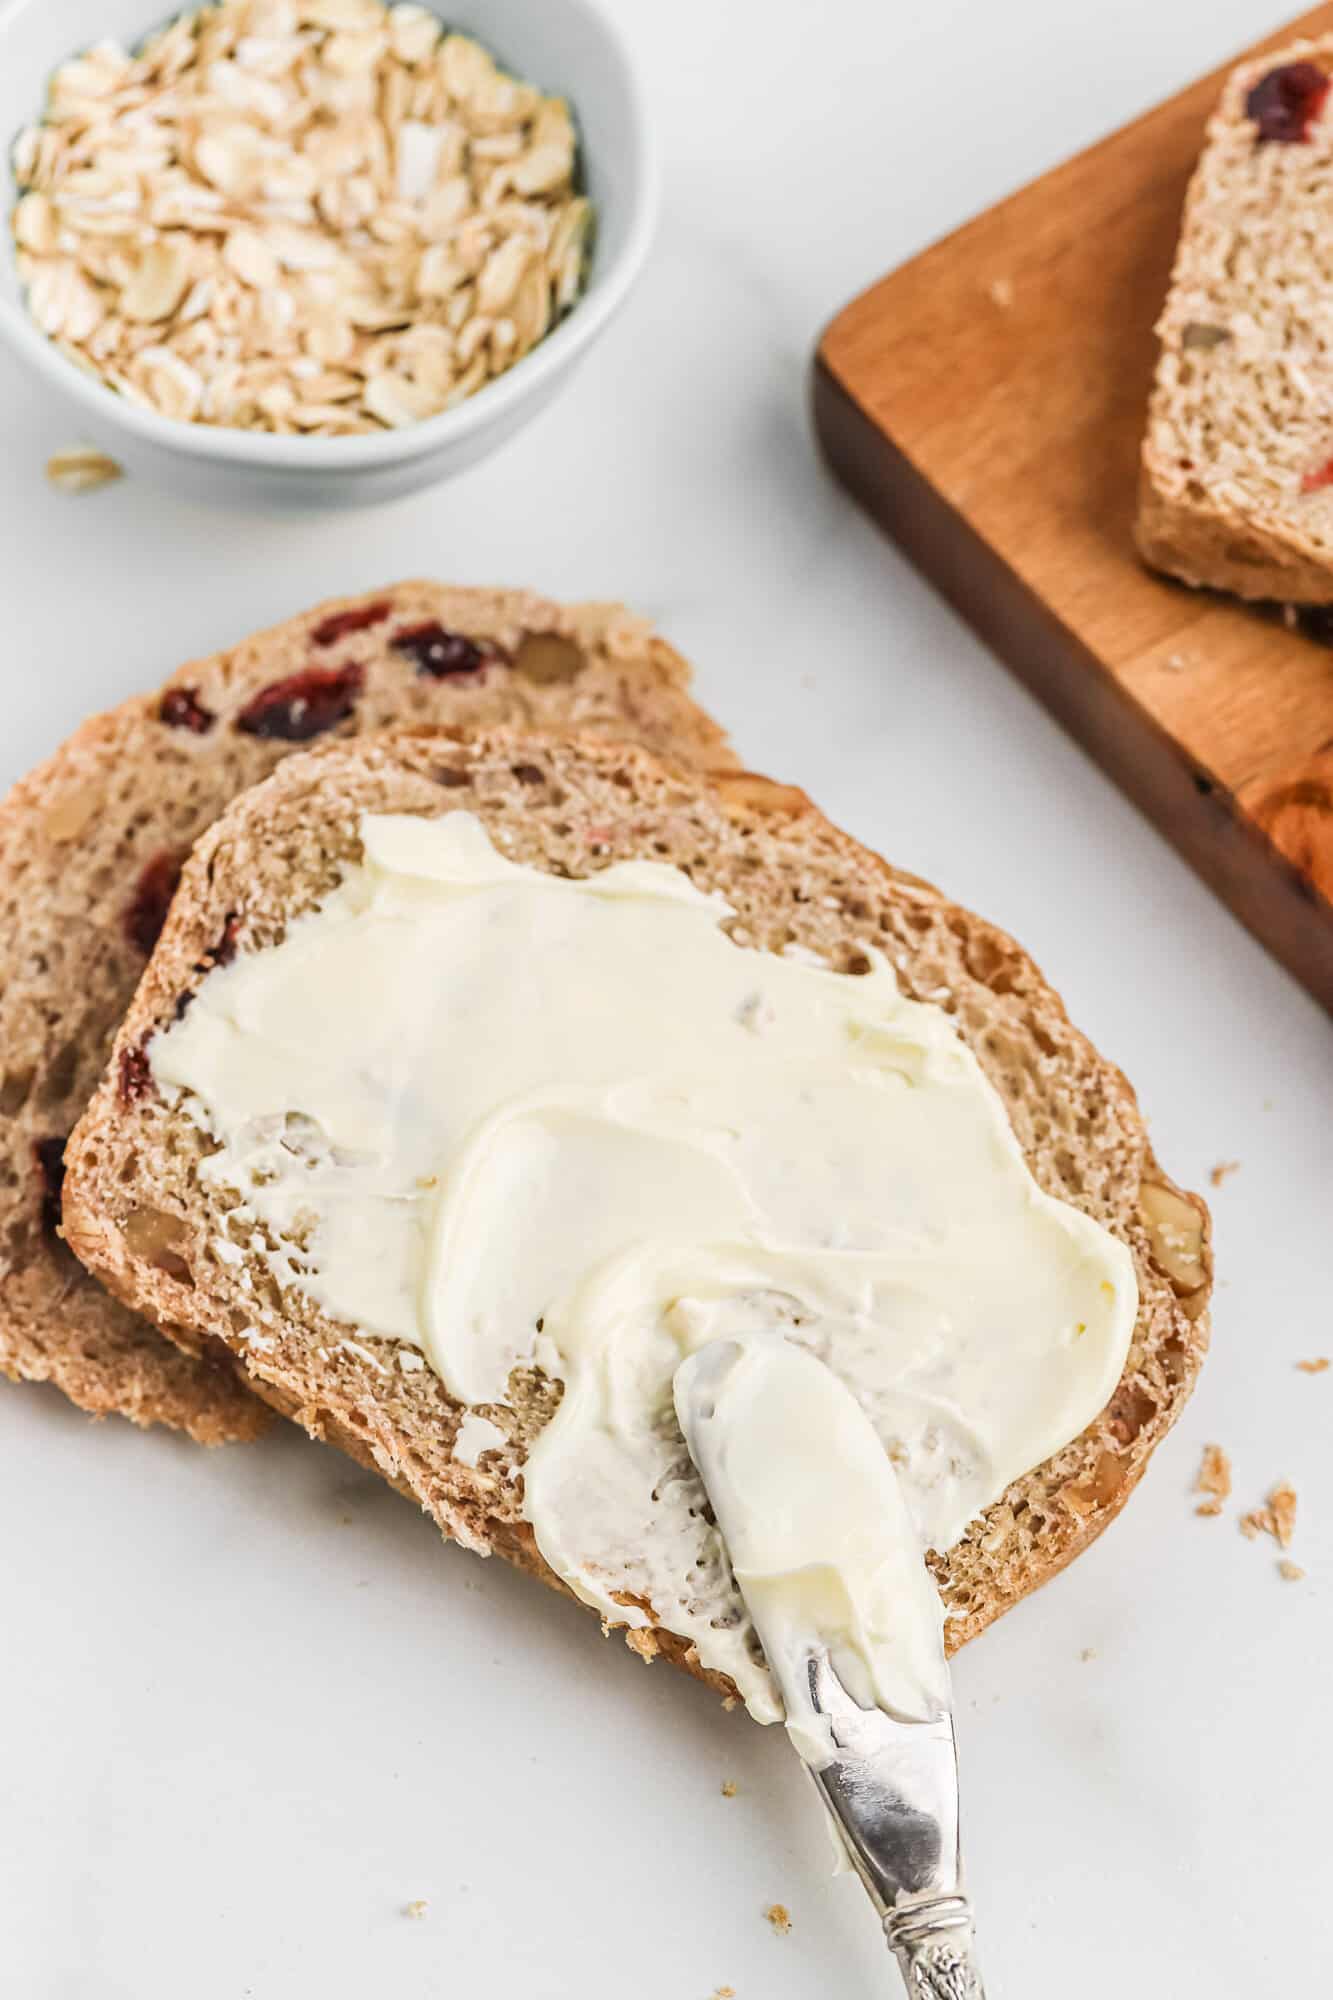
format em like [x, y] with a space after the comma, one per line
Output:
[1236, 488]
[90, 847]
[138, 1213]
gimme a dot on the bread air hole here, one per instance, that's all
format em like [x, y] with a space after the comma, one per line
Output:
[60, 1075]
[1247, 555]
[14, 1090]
[1131, 1411]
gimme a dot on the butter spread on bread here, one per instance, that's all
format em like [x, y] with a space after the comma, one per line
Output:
[513, 1119]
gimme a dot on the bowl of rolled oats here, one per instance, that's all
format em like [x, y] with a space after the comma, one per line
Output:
[321, 251]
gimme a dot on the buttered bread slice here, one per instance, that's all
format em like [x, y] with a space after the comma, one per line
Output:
[477, 1081]
[91, 845]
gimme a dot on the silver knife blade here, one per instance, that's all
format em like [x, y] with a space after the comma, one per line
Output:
[891, 1787]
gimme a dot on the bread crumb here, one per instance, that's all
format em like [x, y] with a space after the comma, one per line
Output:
[724, 1993]
[1289, 1571]
[1001, 292]
[1223, 1171]
[780, 1917]
[1315, 1367]
[416, 1909]
[1088, 1653]
[1282, 1506]
[1277, 1518]
[1178, 663]
[728, 1788]
[1214, 1479]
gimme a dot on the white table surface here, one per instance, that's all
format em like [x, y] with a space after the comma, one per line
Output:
[251, 1706]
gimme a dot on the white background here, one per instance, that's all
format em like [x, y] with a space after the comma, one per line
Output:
[249, 1705]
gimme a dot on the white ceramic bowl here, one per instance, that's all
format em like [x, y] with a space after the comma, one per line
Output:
[568, 47]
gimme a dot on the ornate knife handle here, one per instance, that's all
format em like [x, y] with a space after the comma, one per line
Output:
[932, 1942]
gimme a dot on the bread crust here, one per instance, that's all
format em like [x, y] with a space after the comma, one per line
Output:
[1211, 510]
[791, 877]
[88, 842]
[1213, 547]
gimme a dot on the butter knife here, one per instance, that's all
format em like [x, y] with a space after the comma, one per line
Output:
[892, 1789]
[808, 1506]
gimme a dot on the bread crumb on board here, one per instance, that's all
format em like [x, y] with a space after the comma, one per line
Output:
[1277, 1518]
[1289, 1571]
[728, 1788]
[1223, 1171]
[1214, 1479]
[1314, 1367]
[779, 1916]
[1088, 1653]
[1001, 293]
[416, 1909]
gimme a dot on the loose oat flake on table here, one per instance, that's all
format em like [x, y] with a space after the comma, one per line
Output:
[81, 469]
[327, 217]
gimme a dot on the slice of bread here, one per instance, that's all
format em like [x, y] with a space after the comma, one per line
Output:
[90, 844]
[1236, 487]
[138, 1214]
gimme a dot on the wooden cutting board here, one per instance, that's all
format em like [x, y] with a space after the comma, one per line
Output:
[986, 402]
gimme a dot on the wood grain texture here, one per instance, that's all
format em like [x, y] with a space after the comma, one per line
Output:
[986, 403]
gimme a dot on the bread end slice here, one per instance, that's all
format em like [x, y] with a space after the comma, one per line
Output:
[138, 1214]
